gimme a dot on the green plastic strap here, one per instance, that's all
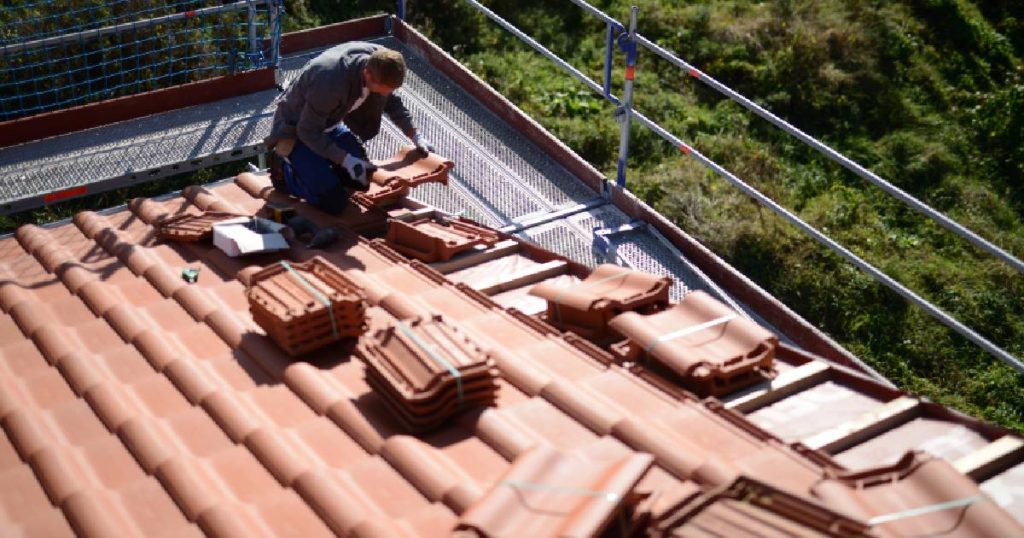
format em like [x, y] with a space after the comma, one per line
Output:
[923, 510]
[406, 330]
[608, 496]
[689, 330]
[309, 287]
[558, 298]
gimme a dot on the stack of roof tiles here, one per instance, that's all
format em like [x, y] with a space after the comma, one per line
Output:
[701, 343]
[191, 228]
[587, 307]
[429, 239]
[427, 371]
[305, 306]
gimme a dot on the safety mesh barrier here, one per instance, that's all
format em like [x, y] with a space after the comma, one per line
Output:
[57, 54]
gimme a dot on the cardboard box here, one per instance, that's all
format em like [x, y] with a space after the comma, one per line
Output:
[248, 235]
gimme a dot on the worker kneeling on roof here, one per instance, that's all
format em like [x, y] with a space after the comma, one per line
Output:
[326, 114]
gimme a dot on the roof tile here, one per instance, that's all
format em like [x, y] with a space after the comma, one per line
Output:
[751, 508]
[707, 346]
[229, 423]
[609, 290]
[290, 302]
[549, 493]
[917, 481]
[25, 507]
[430, 240]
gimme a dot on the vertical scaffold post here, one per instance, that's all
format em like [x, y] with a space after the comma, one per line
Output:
[609, 48]
[400, 10]
[274, 7]
[254, 42]
[627, 42]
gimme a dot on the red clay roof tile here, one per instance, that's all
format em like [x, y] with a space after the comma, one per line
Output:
[587, 307]
[550, 493]
[305, 306]
[430, 240]
[750, 508]
[888, 498]
[227, 434]
[189, 227]
[393, 178]
[708, 347]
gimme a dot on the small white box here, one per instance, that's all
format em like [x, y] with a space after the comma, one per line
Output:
[248, 235]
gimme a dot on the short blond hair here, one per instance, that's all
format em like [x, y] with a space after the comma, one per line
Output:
[387, 66]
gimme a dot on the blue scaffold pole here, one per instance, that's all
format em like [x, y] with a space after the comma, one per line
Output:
[628, 44]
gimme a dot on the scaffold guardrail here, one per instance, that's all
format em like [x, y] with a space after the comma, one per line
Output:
[53, 56]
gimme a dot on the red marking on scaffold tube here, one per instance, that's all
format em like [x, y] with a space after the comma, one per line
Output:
[684, 148]
[694, 73]
[190, 14]
[630, 72]
[66, 193]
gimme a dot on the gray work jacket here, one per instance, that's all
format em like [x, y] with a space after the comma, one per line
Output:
[322, 94]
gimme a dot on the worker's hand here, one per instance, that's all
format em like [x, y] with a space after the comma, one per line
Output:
[422, 144]
[357, 169]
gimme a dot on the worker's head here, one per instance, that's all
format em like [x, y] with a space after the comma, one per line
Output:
[385, 71]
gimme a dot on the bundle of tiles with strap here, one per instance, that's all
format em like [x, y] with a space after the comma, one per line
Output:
[306, 306]
[427, 370]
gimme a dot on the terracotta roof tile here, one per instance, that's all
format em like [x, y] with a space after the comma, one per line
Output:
[305, 306]
[25, 508]
[430, 240]
[750, 508]
[549, 493]
[394, 177]
[587, 307]
[522, 300]
[708, 347]
[221, 431]
[191, 227]
[917, 481]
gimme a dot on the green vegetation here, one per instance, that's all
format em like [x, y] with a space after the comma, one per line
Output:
[929, 94]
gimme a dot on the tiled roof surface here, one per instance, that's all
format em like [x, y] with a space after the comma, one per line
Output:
[135, 403]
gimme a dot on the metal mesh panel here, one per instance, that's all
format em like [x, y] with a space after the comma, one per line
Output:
[451, 199]
[134, 147]
[524, 161]
[59, 54]
[652, 258]
[561, 238]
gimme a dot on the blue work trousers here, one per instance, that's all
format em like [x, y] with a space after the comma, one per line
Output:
[318, 180]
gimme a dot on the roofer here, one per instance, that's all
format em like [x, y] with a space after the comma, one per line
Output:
[325, 116]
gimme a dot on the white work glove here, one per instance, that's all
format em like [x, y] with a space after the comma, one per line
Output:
[422, 144]
[357, 169]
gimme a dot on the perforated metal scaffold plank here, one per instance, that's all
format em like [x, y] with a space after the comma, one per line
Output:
[495, 163]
